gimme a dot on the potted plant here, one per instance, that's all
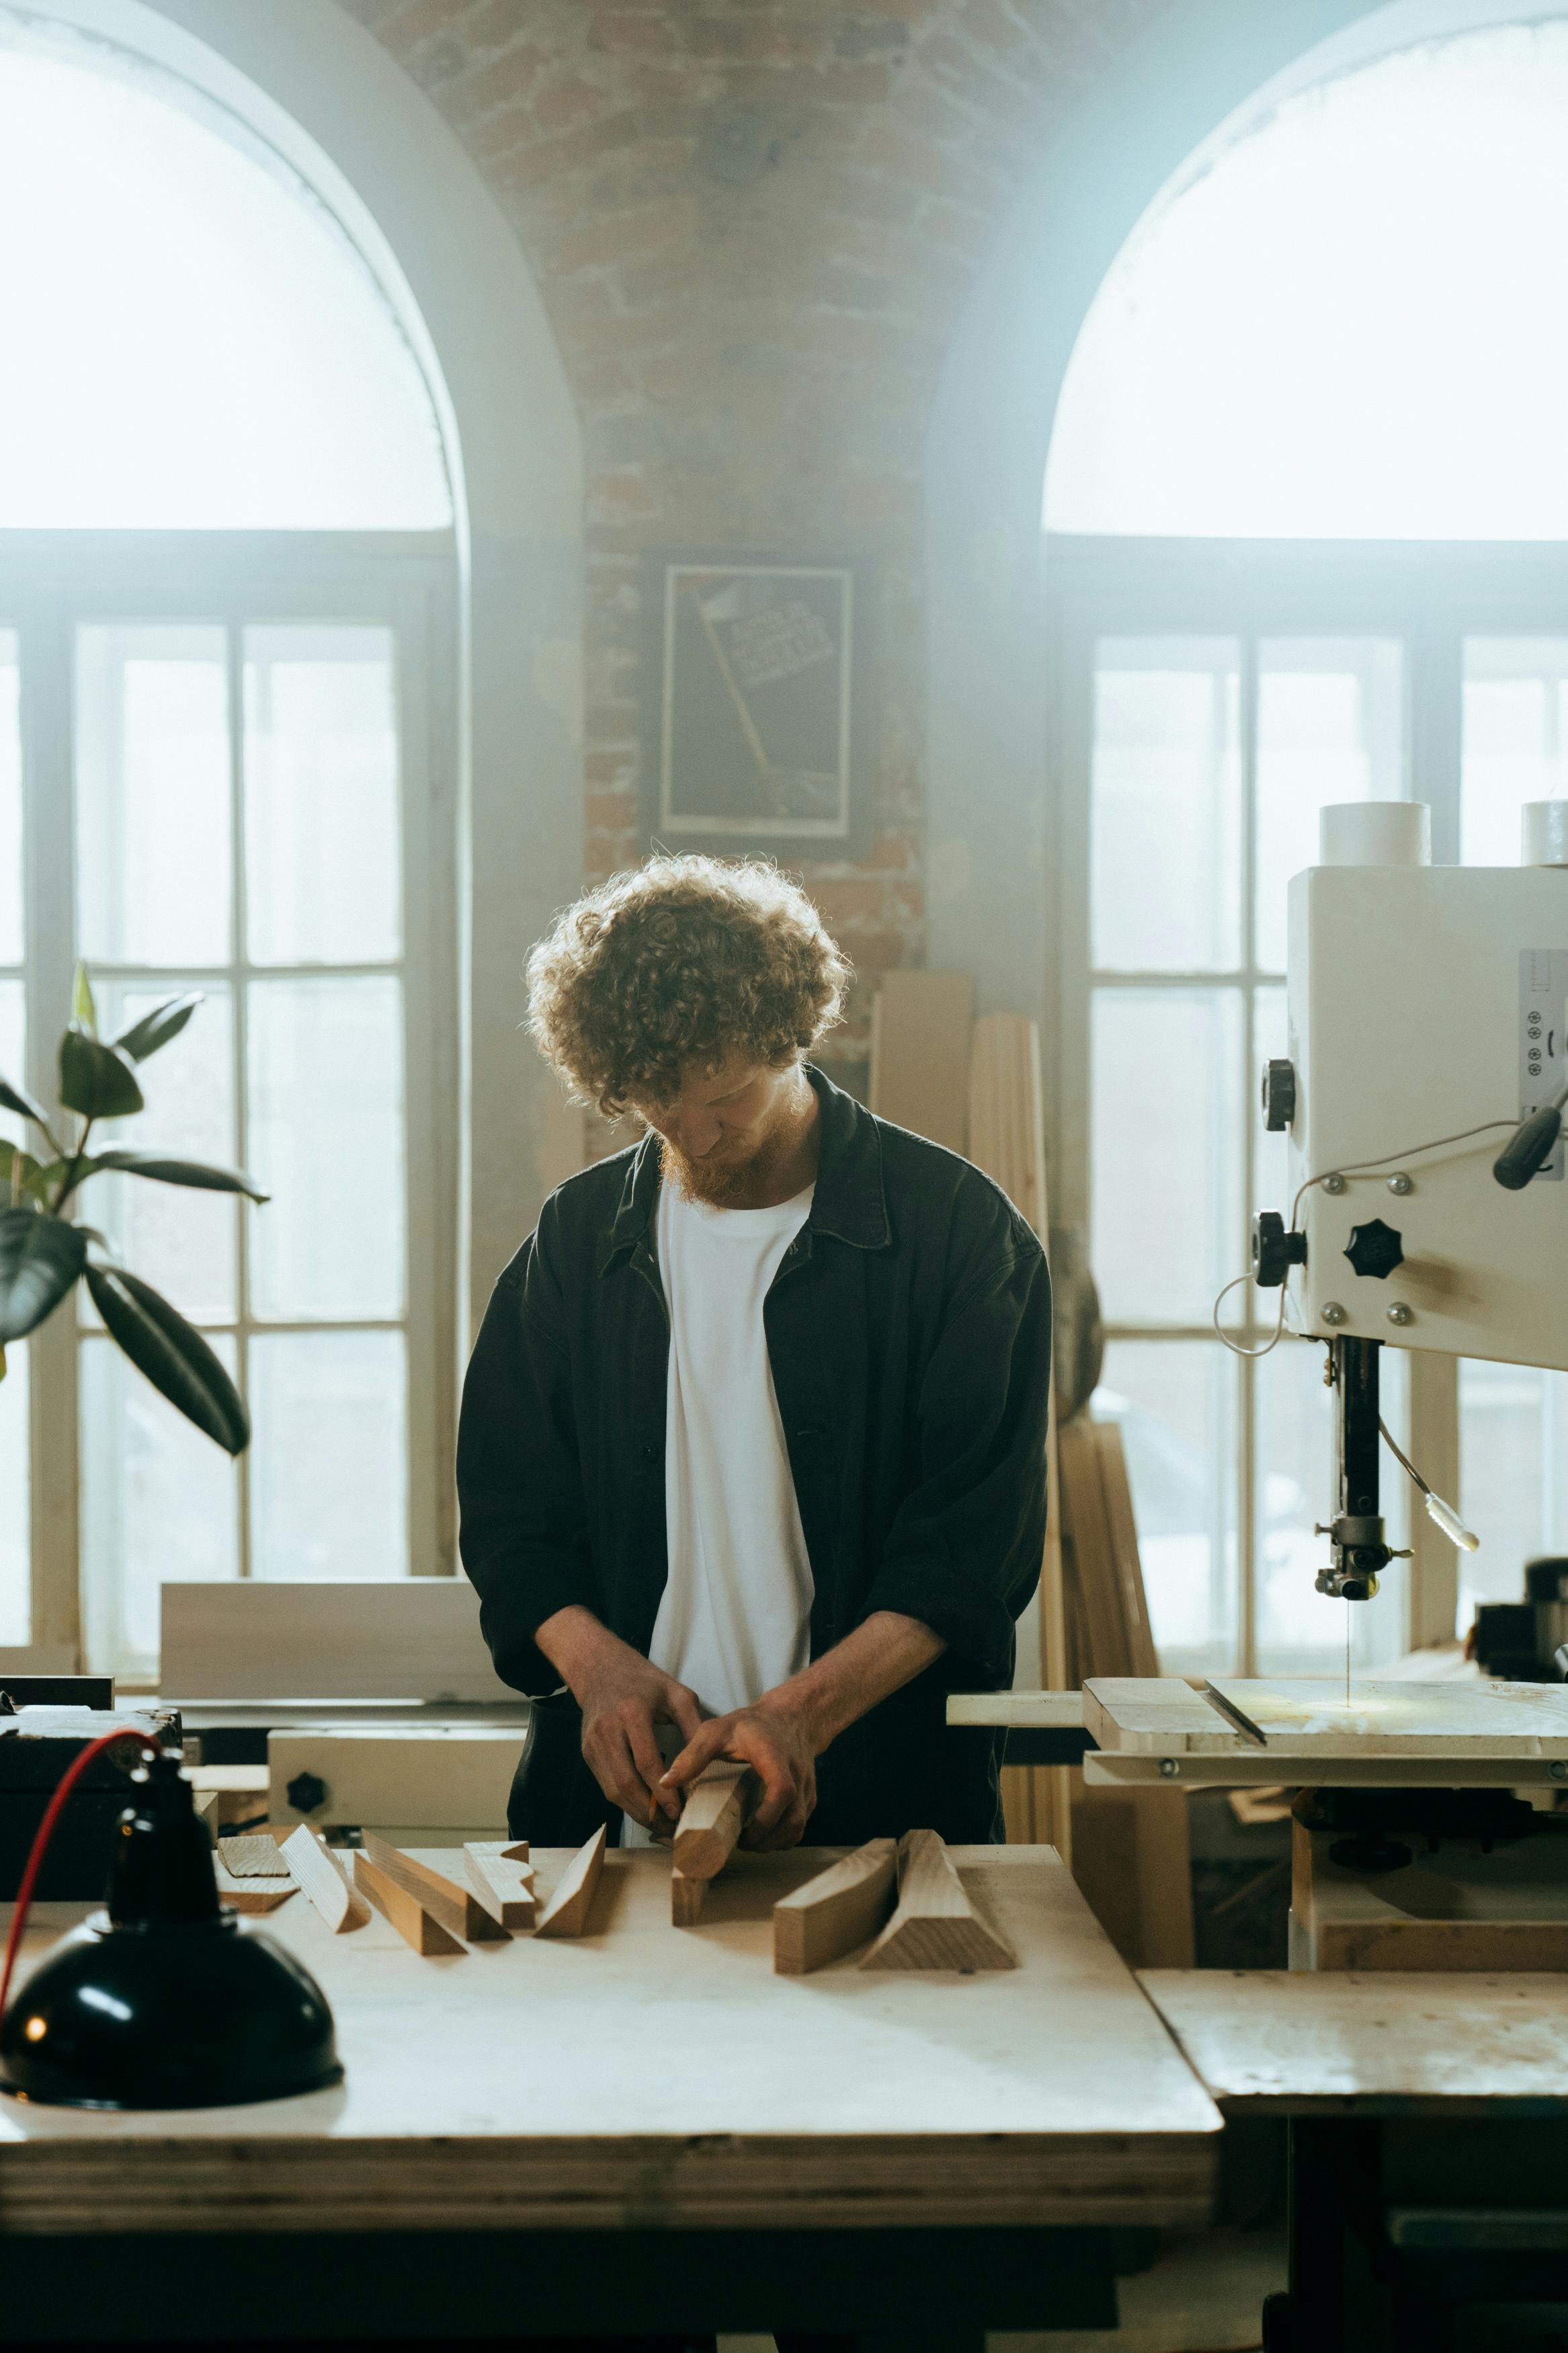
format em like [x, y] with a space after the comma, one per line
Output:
[44, 1251]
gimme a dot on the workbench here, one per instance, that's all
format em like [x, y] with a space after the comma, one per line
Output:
[1428, 2130]
[642, 2130]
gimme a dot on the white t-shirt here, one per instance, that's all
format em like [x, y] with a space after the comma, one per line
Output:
[735, 1617]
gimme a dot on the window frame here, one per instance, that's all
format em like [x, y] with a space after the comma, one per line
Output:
[1429, 594]
[51, 582]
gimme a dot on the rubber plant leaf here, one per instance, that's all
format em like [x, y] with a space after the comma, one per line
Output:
[156, 1028]
[84, 1012]
[199, 1173]
[96, 1080]
[18, 1099]
[174, 1358]
[17, 1167]
[40, 1257]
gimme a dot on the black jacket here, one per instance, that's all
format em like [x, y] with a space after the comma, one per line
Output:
[909, 1334]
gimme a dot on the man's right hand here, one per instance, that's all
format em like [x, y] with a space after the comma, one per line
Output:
[621, 1696]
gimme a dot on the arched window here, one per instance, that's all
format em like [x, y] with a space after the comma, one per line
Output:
[225, 763]
[1307, 515]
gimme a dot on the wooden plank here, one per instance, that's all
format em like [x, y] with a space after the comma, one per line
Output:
[504, 1889]
[1037, 1711]
[718, 1807]
[686, 1897]
[830, 1915]
[570, 1907]
[1123, 1533]
[1088, 1542]
[921, 1024]
[1403, 1718]
[407, 1914]
[459, 1909]
[935, 1925]
[251, 1894]
[378, 1775]
[1132, 1860]
[1460, 1908]
[1158, 1715]
[253, 1856]
[239, 1792]
[1268, 2042]
[409, 1637]
[319, 1875]
[1006, 1125]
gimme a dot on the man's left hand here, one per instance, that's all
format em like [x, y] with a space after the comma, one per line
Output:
[775, 1738]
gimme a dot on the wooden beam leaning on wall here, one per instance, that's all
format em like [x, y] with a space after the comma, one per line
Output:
[408, 1915]
[460, 1912]
[935, 1925]
[921, 1025]
[570, 1907]
[837, 1911]
[318, 1875]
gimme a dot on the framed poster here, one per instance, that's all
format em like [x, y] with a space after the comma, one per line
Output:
[755, 720]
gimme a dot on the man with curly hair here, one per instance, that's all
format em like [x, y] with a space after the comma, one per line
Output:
[751, 1460]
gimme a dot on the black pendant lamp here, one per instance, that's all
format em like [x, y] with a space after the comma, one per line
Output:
[164, 2000]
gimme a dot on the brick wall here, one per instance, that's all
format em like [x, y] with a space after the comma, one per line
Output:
[754, 225]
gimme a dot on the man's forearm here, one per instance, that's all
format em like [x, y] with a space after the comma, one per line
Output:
[574, 1641]
[879, 1658]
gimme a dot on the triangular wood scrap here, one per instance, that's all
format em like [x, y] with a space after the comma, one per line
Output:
[459, 1911]
[254, 1856]
[935, 1925]
[504, 1889]
[407, 1914]
[719, 1804]
[251, 1894]
[836, 1910]
[568, 1911]
[318, 1874]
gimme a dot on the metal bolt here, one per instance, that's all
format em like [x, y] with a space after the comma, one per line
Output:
[1558, 1768]
[1401, 1314]
[1335, 1184]
[1169, 1767]
[1332, 1312]
[306, 1791]
[1400, 1184]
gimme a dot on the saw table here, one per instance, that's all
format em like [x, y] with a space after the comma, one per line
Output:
[642, 2130]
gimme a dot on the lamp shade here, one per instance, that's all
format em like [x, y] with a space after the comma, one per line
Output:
[164, 2000]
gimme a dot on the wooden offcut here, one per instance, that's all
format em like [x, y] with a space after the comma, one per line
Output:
[570, 1907]
[1102, 1574]
[251, 1894]
[457, 1909]
[319, 1875]
[503, 1888]
[718, 1807]
[1006, 1119]
[935, 1925]
[417, 1926]
[837, 1911]
[921, 1027]
[254, 1856]
[686, 1899]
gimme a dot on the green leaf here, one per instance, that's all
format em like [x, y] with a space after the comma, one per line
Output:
[84, 1012]
[10, 1155]
[40, 1257]
[199, 1173]
[96, 1080]
[18, 1099]
[174, 1358]
[156, 1028]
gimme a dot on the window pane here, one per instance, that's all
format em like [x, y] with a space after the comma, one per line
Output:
[329, 1482]
[1513, 1476]
[326, 1141]
[152, 794]
[159, 1505]
[1166, 856]
[322, 865]
[1330, 727]
[1166, 1146]
[1514, 741]
[10, 803]
[180, 1240]
[15, 1496]
[1176, 1401]
[1300, 1631]
[13, 1050]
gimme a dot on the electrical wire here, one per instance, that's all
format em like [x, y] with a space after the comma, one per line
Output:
[45, 1831]
[1236, 1349]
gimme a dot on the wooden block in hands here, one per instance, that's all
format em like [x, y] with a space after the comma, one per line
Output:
[405, 1912]
[568, 1911]
[935, 1925]
[318, 1874]
[836, 1910]
[460, 1912]
[504, 1888]
[718, 1807]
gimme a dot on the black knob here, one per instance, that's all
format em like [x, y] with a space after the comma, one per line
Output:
[306, 1791]
[1279, 1095]
[1375, 1249]
[1274, 1251]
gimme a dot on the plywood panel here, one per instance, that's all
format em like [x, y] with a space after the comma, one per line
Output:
[410, 1638]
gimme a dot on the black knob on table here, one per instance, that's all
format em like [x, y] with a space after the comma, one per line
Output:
[1274, 1251]
[1375, 1249]
[306, 1791]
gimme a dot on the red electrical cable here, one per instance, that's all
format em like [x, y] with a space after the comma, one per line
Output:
[52, 1812]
